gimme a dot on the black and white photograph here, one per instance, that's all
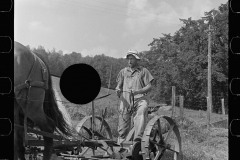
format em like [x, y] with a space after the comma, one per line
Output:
[121, 80]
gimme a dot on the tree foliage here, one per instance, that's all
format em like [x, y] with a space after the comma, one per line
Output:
[181, 60]
[178, 60]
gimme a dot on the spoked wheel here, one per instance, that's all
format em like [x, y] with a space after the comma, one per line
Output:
[161, 140]
[99, 130]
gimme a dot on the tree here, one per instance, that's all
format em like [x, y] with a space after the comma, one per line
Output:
[181, 60]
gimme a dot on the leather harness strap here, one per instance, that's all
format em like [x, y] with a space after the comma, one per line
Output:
[29, 82]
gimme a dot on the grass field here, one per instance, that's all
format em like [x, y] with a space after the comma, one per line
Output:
[198, 143]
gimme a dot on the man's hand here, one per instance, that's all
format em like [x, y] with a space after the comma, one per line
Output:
[118, 91]
[135, 93]
[145, 89]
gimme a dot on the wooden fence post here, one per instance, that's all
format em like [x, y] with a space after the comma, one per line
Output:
[181, 107]
[223, 108]
[173, 100]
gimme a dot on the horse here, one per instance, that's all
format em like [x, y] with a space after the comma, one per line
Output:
[34, 98]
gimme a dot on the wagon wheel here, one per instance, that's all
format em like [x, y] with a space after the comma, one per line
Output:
[100, 129]
[161, 140]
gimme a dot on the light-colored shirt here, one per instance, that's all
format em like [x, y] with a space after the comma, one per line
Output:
[133, 80]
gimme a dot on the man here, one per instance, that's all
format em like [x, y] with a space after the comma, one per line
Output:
[137, 79]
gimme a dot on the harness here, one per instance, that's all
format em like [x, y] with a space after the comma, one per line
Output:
[31, 81]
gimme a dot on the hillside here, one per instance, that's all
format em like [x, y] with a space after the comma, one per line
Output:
[197, 142]
[77, 111]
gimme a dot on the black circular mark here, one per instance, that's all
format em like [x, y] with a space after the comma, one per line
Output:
[80, 83]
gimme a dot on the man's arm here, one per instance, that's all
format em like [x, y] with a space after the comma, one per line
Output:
[118, 90]
[147, 79]
[145, 89]
[119, 80]
[119, 83]
[119, 86]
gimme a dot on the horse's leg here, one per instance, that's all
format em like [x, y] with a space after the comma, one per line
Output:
[48, 142]
[16, 130]
[18, 135]
[21, 149]
[37, 115]
[16, 121]
[47, 126]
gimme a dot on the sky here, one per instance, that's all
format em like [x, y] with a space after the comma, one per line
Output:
[110, 27]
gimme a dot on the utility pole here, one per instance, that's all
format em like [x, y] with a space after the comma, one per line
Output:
[209, 70]
[209, 77]
[109, 82]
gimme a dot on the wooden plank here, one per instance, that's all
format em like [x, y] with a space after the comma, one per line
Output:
[51, 135]
[68, 143]
[65, 143]
[223, 108]
[41, 133]
[173, 100]
[181, 107]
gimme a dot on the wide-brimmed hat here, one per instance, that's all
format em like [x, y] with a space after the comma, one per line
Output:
[133, 53]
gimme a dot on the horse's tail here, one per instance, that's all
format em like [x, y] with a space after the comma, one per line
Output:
[53, 112]
[51, 108]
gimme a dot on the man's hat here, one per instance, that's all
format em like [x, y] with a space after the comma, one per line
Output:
[133, 53]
